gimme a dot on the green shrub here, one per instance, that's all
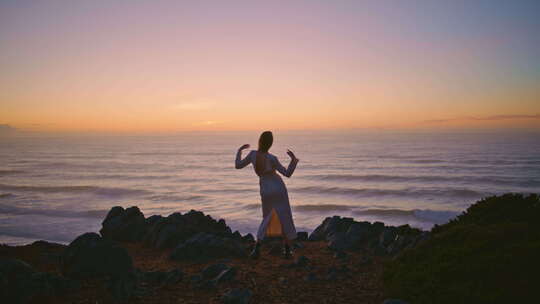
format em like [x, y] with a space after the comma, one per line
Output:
[489, 254]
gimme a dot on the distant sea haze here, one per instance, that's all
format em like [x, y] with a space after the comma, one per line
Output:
[57, 187]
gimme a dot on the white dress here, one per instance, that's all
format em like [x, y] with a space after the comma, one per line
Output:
[277, 216]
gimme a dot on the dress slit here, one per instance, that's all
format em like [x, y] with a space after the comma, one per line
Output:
[274, 227]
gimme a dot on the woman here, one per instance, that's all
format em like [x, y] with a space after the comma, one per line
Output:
[277, 216]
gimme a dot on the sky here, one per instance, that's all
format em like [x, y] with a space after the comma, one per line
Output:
[160, 66]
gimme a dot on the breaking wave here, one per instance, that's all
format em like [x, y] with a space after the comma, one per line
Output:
[425, 215]
[381, 178]
[6, 209]
[406, 192]
[75, 189]
[9, 172]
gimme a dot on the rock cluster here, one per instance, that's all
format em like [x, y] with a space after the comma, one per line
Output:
[213, 275]
[91, 256]
[205, 245]
[19, 282]
[344, 233]
[192, 235]
[237, 296]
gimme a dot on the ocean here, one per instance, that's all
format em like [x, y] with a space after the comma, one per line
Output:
[56, 187]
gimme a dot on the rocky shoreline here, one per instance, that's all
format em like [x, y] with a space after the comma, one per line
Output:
[136, 259]
[193, 258]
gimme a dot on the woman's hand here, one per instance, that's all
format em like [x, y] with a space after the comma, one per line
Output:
[291, 155]
[243, 147]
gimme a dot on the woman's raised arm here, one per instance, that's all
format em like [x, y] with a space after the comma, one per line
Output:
[239, 162]
[290, 169]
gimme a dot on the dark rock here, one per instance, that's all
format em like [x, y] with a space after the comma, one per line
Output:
[196, 279]
[225, 275]
[163, 277]
[122, 288]
[334, 273]
[206, 246]
[154, 277]
[298, 245]
[338, 241]
[236, 235]
[379, 250]
[174, 276]
[276, 250]
[394, 301]
[301, 236]
[345, 234]
[387, 236]
[170, 231]
[237, 296]
[330, 225]
[152, 220]
[341, 255]
[124, 225]
[248, 238]
[364, 261]
[302, 261]
[90, 255]
[311, 277]
[213, 270]
[20, 283]
[358, 233]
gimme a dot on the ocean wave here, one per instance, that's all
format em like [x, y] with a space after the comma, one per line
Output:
[126, 177]
[8, 209]
[494, 180]
[406, 192]
[106, 191]
[310, 207]
[175, 198]
[425, 215]
[322, 207]
[10, 172]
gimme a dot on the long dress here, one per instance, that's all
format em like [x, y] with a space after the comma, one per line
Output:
[277, 215]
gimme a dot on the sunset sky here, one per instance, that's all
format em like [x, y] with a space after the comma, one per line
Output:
[122, 66]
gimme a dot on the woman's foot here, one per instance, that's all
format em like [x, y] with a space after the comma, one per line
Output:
[256, 252]
[287, 253]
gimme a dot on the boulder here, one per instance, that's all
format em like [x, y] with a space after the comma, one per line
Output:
[170, 231]
[338, 241]
[394, 301]
[237, 296]
[341, 255]
[90, 255]
[206, 246]
[213, 270]
[213, 275]
[124, 224]
[152, 220]
[20, 283]
[276, 250]
[329, 226]
[248, 238]
[302, 261]
[311, 277]
[346, 234]
[163, 277]
[301, 236]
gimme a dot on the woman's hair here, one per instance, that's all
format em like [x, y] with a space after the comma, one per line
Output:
[265, 142]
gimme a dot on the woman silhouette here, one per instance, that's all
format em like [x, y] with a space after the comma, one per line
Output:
[277, 216]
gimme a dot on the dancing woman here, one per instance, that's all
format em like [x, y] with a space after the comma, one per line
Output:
[277, 216]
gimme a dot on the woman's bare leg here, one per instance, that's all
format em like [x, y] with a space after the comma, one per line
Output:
[286, 247]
